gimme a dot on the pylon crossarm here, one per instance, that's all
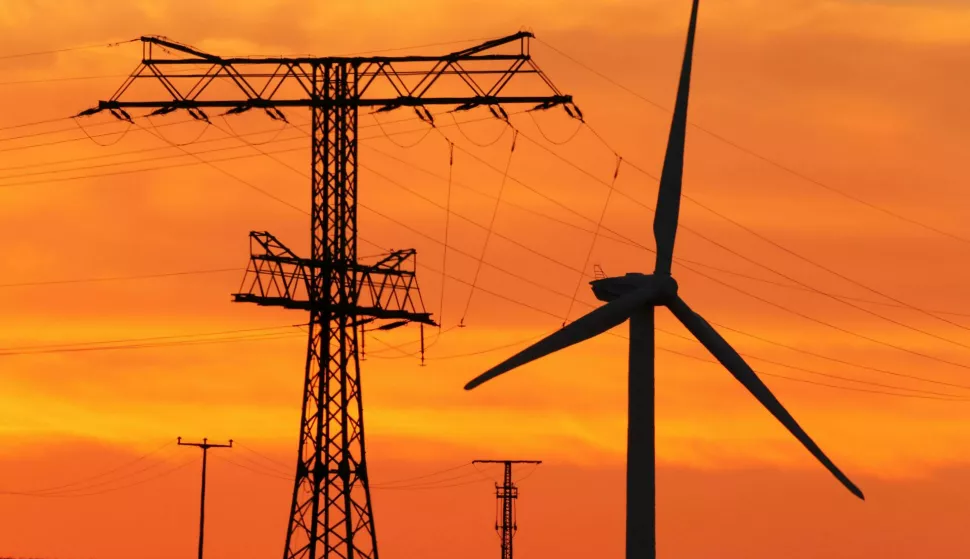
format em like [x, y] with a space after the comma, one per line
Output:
[385, 290]
[179, 77]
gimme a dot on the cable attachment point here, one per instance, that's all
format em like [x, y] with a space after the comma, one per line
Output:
[424, 114]
[545, 105]
[498, 112]
[464, 107]
[162, 111]
[239, 110]
[574, 112]
[276, 114]
[120, 114]
[89, 112]
[199, 114]
[387, 108]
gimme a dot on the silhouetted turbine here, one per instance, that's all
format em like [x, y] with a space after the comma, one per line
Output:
[634, 297]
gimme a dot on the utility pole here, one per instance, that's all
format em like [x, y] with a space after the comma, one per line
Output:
[331, 515]
[506, 494]
[205, 445]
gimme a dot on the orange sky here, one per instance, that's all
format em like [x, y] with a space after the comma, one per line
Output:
[865, 97]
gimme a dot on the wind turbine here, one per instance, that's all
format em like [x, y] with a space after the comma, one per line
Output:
[634, 296]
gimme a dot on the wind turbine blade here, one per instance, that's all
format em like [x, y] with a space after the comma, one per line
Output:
[596, 322]
[668, 197]
[724, 353]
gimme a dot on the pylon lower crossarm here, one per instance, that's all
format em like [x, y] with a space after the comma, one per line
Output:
[386, 290]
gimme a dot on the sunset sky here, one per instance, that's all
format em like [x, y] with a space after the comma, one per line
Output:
[825, 236]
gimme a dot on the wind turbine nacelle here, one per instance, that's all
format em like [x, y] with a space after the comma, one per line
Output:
[608, 289]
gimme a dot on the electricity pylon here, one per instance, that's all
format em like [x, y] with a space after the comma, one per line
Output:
[205, 445]
[506, 494]
[331, 512]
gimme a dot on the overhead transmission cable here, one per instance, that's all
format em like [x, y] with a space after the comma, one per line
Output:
[234, 177]
[83, 480]
[772, 162]
[68, 49]
[510, 273]
[625, 241]
[779, 273]
[491, 227]
[592, 243]
[444, 250]
[807, 260]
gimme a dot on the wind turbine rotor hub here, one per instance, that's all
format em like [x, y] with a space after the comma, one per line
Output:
[609, 289]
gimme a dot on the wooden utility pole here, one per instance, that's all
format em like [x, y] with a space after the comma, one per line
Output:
[205, 445]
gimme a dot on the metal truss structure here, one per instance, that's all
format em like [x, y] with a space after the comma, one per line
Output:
[331, 514]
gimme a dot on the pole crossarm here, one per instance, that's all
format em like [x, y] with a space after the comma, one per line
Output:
[385, 290]
[186, 78]
[205, 444]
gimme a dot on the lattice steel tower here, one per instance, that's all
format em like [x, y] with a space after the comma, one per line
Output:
[331, 512]
[506, 495]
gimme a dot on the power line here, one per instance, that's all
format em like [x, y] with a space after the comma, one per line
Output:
[143, 343]
[425, 476]
[186, 153]
[416, 231]
[830, 375]
[227, 173]
[472, 222]
[35, 123]
[67, 49]
[839, 275]
[263, 456]
[81, 481]
[474, 190]
[769, 268]
[816, 383]
[554, 315]
[240, 179]
[81, 488]
[263, 472]
[508, 272]
[797, 255]
[424, 484]
[625, 241]
[119, 278]
[830, 325]
[76, 128]
[61, 79]
[199, 161]
[142, 160]
[432, 487]
[544, 287]
[149, 339]
[160, 475]
[764, 158]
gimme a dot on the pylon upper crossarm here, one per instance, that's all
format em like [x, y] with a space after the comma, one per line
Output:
[172, 76]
